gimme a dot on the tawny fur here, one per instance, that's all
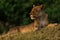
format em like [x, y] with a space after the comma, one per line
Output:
[52, 25]
[36, 14]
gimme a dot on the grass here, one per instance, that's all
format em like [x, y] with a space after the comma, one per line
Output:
[47, 33]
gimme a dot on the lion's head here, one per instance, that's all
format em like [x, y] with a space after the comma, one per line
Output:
[36, 11]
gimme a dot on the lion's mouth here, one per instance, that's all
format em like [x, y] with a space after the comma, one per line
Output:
[32, 17]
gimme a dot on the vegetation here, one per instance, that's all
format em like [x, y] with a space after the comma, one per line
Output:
[16, 12]
[48, 33]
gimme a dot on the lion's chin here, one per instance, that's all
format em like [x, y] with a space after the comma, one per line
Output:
[32, 18]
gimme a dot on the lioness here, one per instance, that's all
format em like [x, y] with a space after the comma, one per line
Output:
[38, 14]
[40, 20]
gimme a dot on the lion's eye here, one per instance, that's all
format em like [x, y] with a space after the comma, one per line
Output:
[33, 16]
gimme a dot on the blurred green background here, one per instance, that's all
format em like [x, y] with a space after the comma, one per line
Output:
[16, 12]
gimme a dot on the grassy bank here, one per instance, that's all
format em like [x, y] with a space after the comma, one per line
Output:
[48, 33]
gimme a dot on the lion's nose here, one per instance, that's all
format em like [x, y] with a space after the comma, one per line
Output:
[31, 15]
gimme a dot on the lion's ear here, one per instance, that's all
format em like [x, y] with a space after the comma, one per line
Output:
[42, 6]
[33, 5]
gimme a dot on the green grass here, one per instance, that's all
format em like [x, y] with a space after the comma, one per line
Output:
[48, 33]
